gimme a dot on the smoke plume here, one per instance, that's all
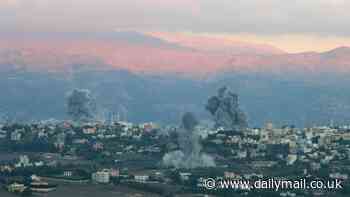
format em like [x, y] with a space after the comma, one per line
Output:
[225, 109]
[190, 154]
[81, 106]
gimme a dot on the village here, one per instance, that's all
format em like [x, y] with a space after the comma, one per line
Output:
[122, 153]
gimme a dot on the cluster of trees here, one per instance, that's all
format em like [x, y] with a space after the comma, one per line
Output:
[34, 145]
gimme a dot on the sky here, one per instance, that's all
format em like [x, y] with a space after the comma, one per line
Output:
[292, 25]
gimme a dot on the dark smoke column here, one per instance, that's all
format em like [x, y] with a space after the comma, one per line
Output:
[190, 153]
[81, 107]
[226, 112]
[188, 140]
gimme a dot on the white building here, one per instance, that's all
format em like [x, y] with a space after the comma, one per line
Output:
[339, 176]
[185, 176]
[16, 136]
[23, 161]
[101, 177]
[141, 178]
[3, 134]
[39, 163]
[67, 173]
[291, 159]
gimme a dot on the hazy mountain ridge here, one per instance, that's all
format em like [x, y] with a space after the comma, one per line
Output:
[30, 96]
[312, 63]
[143, 79]
[141, 53]
[217, 45]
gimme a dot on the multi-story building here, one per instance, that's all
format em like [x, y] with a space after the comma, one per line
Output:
[101, 176]
[16, 136]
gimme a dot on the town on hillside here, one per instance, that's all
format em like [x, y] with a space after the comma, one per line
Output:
[149, 159]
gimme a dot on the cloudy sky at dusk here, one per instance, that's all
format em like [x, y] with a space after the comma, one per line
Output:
[297, 25]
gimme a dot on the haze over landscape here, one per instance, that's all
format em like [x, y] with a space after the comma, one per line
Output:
[174, 98]
[286, 64]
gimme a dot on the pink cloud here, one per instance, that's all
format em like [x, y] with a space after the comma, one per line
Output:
[9, 3]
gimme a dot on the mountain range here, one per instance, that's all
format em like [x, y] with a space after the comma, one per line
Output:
[143, 53]
[156, 76]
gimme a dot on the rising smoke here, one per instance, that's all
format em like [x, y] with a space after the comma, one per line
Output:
[226, 112]
[190, 154]
[81, 106]
[2, 117]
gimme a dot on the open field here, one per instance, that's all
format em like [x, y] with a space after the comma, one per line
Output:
[88, 190]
